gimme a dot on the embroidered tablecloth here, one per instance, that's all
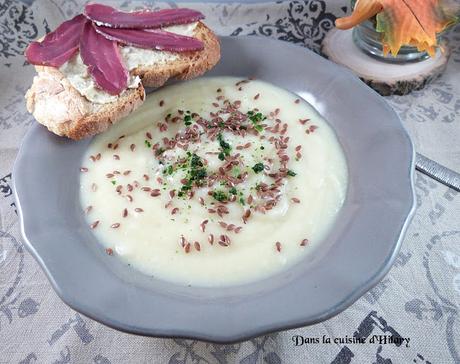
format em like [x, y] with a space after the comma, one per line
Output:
[418, 302]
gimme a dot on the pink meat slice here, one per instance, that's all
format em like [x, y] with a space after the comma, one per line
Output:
[58, 46]
[111, 17]
[103, 59]
[152, 38]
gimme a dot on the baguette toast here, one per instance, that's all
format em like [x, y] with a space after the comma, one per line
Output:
[56, 104]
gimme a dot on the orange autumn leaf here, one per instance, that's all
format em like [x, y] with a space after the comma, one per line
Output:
[404, 22]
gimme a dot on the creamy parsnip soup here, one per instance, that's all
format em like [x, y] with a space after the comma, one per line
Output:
[213, 182]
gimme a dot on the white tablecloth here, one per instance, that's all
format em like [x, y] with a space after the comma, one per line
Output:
[418, 300]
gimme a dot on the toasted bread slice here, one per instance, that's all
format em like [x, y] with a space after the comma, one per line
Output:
[189, 64]
[55, 103]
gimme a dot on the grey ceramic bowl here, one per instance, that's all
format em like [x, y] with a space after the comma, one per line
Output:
[357, 253]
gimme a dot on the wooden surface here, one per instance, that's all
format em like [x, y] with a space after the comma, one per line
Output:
[384, 77]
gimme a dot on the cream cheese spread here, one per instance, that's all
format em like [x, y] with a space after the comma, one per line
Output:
[77, 74]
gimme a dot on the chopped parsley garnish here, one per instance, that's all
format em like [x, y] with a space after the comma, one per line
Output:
[114, 182]
[198, 174]
[256, 118]
[258, 167]
[221, 156]
[242, 201]
[233, 191]
[188, 120]
[147, 143]
[262, 147]
[195, 161]
[220, 196]
[226, 148]
[169, 170]
[195, 175]
[259, 128]
[291, 173]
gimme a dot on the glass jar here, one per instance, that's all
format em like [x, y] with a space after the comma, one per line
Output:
[370, 42]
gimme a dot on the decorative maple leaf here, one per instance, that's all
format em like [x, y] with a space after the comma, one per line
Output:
[404, 22]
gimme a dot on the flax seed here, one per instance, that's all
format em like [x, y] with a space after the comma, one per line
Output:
[197, 246]
[223, 243]
[115, 226]
[156, 192]
[203, 225]
[278, 246]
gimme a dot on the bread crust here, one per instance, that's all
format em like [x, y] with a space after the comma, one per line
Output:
[188, 66]
[56, 104]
